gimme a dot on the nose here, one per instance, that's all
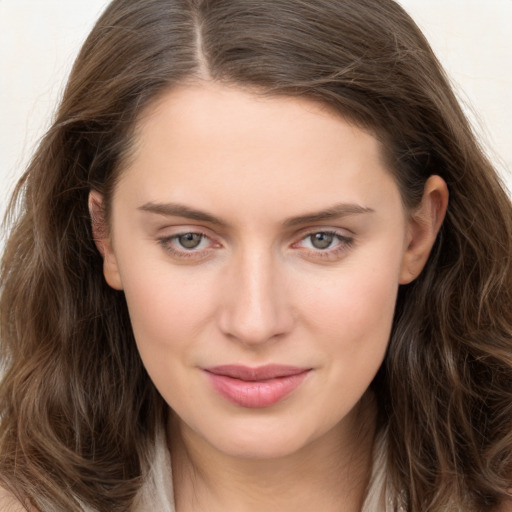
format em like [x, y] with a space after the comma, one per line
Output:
[255, 307]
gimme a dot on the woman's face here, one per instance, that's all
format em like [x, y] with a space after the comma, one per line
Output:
[260, 243]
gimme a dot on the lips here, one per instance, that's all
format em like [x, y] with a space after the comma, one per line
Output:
[255, 387]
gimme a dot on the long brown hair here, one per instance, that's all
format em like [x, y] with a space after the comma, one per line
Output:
[78, 411]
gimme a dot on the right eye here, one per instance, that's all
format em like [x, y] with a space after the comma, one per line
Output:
[190, 244]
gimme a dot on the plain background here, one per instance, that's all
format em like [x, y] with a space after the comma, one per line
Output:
[40, 38]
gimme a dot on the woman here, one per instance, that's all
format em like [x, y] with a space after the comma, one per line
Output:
[259, 245]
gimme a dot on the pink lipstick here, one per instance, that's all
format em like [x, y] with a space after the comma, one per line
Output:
[255, 387]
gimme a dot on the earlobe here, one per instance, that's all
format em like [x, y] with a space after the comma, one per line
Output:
[423, 227]
[100, 233]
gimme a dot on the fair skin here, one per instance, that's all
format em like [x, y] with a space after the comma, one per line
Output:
[263, 231]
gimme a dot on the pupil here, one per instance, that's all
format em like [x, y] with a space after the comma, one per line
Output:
[190, 240]
[322, 240]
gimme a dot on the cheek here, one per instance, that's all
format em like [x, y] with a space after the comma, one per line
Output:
[350, 315]
[167, 309]
[357, 300]
[168, 313]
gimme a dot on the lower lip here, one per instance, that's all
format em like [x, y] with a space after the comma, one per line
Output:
[256, 394]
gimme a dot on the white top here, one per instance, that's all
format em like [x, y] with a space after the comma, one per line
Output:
[157, 493]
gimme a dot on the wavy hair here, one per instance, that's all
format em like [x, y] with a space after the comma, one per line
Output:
[78, 411]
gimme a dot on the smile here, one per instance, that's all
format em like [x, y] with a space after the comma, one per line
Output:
[255, 387]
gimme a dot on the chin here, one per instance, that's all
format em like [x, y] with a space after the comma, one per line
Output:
[261, 438]
[266, 447]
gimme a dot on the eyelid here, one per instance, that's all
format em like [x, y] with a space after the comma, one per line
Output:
[333, 230]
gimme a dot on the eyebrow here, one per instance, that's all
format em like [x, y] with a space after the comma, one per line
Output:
[181, 210]
[334, 212]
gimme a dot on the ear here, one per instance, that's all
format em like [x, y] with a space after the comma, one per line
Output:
[100, 233]
[423, 225]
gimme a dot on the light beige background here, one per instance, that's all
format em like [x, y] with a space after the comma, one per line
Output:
[40, 38]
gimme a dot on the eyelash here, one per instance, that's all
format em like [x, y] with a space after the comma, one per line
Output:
[343, 244]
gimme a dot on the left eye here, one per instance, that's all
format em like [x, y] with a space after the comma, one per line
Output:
[323, 240]
[189, 240]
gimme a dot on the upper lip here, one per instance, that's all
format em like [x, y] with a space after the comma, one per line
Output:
[259, 373]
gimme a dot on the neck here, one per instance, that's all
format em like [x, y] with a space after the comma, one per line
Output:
[330, 473]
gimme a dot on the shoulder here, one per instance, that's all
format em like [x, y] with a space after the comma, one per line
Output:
[8, 503]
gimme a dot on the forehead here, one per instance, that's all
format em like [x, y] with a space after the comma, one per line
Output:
[224, 109]
[209, 143]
